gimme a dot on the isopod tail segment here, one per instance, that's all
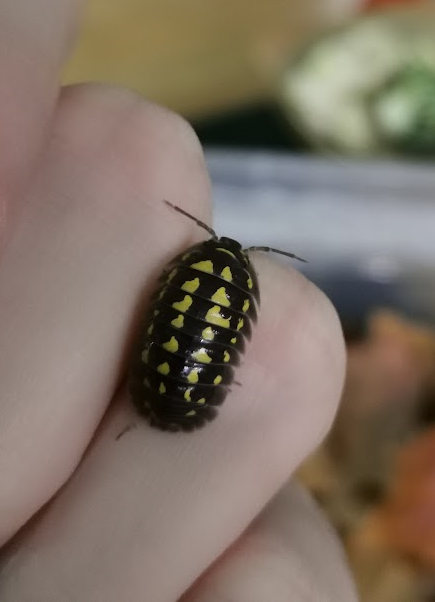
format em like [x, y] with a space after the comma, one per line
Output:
[215, 236]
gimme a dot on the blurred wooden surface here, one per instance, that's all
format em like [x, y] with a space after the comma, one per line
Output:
[197, 56]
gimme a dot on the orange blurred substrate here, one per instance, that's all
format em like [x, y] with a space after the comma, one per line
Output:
[405, 522]
[385, 3]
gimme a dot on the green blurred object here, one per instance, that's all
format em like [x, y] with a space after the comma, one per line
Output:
[404, 111]
[367, 89]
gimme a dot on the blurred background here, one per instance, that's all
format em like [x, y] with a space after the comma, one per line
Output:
[318, 121]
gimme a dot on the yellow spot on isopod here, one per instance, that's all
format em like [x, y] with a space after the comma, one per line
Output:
[234, 340]
[172, 274]
[202, 400]
[202, 356]
[171, 345]
[191, 285]
[162, 292]
[226, 273]
[246, 305]
[162, 388]
[184, 304]
[150, 329]
[220, 296]
[185, 256]
[208, 333]
[193, 375]
[145, 355]
[250, 283]
[226, 356]
[191, 413]
[214, 317]
[218, 379]
[156, 312]
[226, 251]
[240, 324]
[187, 395]
[178, 322]
[163, 368]
[203, 266]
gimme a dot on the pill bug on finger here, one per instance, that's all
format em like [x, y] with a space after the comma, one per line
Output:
[194, 332]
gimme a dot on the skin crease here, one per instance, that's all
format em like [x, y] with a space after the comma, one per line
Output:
[85, 235]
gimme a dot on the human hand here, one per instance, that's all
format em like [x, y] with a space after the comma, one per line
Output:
[85, 233]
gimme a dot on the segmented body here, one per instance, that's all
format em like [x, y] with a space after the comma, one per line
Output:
[194, 334]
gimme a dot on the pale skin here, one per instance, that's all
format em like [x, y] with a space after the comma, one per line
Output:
[206, 516]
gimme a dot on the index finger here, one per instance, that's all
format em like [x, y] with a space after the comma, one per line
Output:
[34, 40]
[148, 513]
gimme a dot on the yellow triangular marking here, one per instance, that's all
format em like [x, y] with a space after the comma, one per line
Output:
[220, 296]
[163, 368]
[178, 322]
[191, 286]
[171, 345]
[203, 266]
[201, 356]
[214, 317]
[183, 305]
[226, 273]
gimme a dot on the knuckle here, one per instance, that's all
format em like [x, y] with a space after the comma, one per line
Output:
[157, 131]
[100, 110]
[147, 151]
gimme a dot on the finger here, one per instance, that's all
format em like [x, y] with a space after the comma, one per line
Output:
[289, 553]
[34, 40]
[161, 507]
[94, 232]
